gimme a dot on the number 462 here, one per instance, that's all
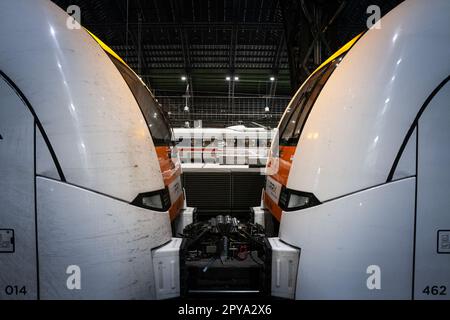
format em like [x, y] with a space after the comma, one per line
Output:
[435, 290]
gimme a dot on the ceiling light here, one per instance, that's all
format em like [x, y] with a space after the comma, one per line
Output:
[272, 78]
[236, 78]
[227, 78]
[183, 78]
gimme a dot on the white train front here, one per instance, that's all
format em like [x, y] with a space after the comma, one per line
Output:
[358, 176]
[87, 178]
[362, 187]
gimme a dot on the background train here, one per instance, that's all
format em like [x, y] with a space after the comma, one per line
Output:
[235, 145]
[87, 175]
[363, 181]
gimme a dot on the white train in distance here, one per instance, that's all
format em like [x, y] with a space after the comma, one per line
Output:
[363, 186]
[86, 173]
[234, 145]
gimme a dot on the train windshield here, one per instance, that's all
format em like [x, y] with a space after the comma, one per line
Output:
[158, 124]
[292, 124]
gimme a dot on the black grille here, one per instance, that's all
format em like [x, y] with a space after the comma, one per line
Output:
[223, 191]
[247, 188]
[208, 190]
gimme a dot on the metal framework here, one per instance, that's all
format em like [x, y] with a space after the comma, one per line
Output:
[214, 110]
[188, 48]
[317, 28]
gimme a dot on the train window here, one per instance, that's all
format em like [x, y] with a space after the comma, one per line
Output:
[156, 121]
[289, 127]
[287, 116]
[302, 106]
[213, 142]
[230, 142]
[206, 142]
[290, 120]
[310, 102]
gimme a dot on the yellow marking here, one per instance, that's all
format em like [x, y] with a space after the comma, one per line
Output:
[106, 48]
[343, 49]
[115, 55]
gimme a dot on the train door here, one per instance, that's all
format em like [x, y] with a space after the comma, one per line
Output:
[432, 237]
[18, 264]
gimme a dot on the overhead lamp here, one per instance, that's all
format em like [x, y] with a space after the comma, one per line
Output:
[272, 78]
[183, 78]
[186, 108]
[228, 78]
[266, 109]
[236, 78]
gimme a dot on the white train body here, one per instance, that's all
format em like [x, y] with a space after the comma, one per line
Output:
[75, 154]
[236, 145]
[366, 194]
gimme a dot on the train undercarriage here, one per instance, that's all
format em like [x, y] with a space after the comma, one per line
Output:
[220, 255]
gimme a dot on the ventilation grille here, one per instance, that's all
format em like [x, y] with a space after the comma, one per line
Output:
[226, 191]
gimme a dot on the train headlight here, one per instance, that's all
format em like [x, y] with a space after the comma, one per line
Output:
[157, 200]
[154, 201]
[294, 200]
